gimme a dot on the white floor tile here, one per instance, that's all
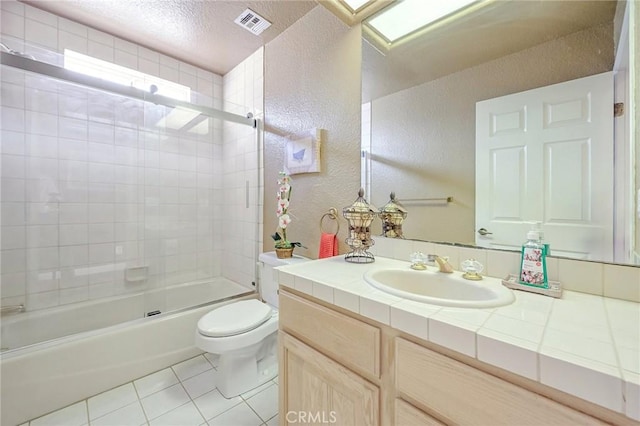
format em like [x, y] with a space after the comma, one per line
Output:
[155, 382]
[240, 415]
[160, 399]
[164, 401]
[73, 415]
[213, 403]
[202, 383]
[276, 380]
[131, 415]
[185, 415]
[111, 400]
[191, 367]
[273, 421]
[257, 390]
[213, 359]
[265, 403]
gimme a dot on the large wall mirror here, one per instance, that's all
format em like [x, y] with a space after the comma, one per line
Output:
[419, 106]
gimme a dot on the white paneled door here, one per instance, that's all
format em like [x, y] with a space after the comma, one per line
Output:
[546, 155]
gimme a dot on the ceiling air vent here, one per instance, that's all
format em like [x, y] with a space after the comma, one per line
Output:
[251, 21]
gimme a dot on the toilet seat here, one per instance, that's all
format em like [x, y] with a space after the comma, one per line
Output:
[234, 318]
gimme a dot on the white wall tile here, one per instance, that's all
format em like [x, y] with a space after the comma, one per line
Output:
[126, 59]
[13, 119]
[42, 168]
[13, 261]
[72, 128]
[125, 46]
[74, 255]
[100, 37]
[42, 258]
[585, 277]
[73, 235]
[101, 233]
[148, 67]
[622, 282]
[13, 7]
[13, 285]
[42, 281]
[75, 176]
[13, 166]
[41, 34]
[42, 236]
[42, 146]
[13, 214]
[13, 95]
[71, 41]
[72, 27]
[13, 237]
[13, 189]
[12, 142]
[41, 16]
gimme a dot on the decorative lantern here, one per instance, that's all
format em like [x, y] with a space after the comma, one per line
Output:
[392, 215]
[359, 215]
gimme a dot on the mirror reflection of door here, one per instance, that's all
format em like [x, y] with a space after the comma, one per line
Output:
[546, 155]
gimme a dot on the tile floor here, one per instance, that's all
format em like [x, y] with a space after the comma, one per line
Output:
[182, 395]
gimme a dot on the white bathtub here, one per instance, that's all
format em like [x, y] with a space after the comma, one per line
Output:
[96, 356]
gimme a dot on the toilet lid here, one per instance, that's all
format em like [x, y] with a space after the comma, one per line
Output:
[234, 318]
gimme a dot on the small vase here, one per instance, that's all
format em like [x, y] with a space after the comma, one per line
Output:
[284, 253]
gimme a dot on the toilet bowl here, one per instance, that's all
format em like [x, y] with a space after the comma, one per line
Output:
[244, 334]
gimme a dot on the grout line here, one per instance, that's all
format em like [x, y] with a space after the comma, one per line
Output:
[135, 389]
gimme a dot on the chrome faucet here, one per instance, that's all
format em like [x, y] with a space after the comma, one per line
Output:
[443, 263]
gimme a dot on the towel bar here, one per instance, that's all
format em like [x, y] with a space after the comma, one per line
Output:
[331, 214]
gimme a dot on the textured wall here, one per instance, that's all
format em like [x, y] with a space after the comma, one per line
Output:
[312, 79]
[423, 138]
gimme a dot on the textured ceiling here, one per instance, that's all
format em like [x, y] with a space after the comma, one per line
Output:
[199, 32]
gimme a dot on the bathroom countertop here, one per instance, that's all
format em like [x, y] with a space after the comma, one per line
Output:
[581, 344]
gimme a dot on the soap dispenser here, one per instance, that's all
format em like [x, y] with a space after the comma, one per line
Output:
[533, 266]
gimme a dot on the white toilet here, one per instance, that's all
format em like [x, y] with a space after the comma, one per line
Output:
[244, 334]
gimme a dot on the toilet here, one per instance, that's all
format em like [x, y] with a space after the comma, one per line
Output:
[244, 334]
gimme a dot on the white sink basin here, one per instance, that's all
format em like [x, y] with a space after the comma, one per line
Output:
[442, 289]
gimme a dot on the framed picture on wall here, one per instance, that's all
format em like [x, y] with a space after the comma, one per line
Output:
[302, 152]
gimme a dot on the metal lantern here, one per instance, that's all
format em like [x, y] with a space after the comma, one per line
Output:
[392, 215]
[359, 215]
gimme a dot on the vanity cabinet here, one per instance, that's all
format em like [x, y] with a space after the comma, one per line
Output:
[465, 395]
[320, 391]
[408, 415]
[324, 384]
[340, 368]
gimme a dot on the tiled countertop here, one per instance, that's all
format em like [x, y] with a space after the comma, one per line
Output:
[584, 345]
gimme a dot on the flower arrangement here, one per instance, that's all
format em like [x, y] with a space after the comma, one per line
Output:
[284, 195]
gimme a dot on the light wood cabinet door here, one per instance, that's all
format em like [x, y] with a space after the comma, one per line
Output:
[314, 389]
[408, 415]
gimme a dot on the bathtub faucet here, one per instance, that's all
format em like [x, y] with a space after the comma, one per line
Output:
[11, 309]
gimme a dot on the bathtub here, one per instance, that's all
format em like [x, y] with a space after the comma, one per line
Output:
[98, 351]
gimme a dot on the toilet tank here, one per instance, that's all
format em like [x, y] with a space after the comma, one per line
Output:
[269, 277]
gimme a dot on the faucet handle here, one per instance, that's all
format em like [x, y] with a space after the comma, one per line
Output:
[472, 269]
[418, 261]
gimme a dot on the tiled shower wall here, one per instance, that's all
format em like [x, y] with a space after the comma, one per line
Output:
[92, 185]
